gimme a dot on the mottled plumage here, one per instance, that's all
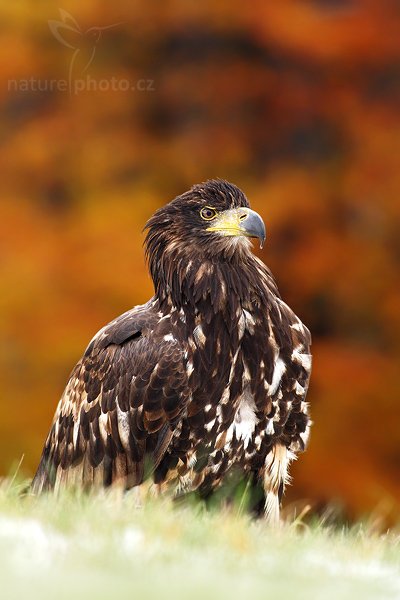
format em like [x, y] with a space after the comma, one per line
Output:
[211, 373]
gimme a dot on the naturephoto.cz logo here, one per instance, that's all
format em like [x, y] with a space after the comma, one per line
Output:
[82, 45]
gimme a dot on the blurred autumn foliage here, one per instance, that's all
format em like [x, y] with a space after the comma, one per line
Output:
[297, 102]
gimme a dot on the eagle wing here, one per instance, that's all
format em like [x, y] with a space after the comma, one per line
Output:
[291, 378]
[122, 404]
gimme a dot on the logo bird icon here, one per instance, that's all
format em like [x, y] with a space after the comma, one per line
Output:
[82, 42]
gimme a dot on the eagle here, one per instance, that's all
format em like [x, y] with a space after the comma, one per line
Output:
[210, 375]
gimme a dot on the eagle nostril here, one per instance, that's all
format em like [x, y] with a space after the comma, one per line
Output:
[243, 216]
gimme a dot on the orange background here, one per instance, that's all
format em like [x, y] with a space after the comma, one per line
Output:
[297, 102]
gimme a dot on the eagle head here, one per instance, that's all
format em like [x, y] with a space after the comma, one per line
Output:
[209, 223]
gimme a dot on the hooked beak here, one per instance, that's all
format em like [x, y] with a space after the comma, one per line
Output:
[240, 221]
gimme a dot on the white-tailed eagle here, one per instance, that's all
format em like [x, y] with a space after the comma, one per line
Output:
[210, 374]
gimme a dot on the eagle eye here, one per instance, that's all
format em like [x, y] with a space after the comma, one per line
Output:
[208, 213]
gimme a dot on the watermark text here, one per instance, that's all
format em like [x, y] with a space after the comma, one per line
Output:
[77, 86]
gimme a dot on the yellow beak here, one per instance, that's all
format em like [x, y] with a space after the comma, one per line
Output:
[239, 221]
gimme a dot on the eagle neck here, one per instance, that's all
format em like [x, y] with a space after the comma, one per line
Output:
[215, 286]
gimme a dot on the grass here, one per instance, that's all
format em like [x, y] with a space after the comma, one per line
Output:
[102, 546]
